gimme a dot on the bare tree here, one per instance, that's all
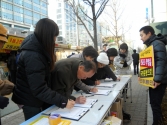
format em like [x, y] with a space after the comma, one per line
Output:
[90, 5]
[116, 20]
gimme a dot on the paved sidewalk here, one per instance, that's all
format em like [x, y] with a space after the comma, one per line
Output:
[137, 109]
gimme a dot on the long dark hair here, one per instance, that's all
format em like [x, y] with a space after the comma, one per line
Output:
[45, 30]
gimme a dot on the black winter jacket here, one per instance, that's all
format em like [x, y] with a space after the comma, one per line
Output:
[160, 57]
[135, 57]
[33, 85]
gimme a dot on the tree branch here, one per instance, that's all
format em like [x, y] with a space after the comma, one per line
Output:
[100, 10]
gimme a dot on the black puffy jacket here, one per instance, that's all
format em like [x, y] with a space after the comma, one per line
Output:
[160, 57]
[33, 85]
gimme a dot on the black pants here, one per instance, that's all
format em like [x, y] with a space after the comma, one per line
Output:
[136, 66]
[30, 111]
[13, 76]
[156, 96]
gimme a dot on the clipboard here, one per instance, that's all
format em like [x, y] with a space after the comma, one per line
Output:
[89, 103]
[75, 113]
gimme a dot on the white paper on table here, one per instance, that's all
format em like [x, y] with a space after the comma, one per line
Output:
[102, 92]
[75, 113]
[106, 85]
[89, 103]
[42, 121]
[108, 80]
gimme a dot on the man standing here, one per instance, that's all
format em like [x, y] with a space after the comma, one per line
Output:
[156, 94]
[135, 57]
[104, 48]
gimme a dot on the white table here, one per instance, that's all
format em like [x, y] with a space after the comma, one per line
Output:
[93, 116]
[47, 110]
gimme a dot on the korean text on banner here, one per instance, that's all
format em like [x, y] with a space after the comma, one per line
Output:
[13, 43]
[147, 67]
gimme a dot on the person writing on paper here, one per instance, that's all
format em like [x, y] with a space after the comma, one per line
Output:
[112, 53]
[156, 94]
[89, 53]
[69, 72]
[103, 71]
[32, 90]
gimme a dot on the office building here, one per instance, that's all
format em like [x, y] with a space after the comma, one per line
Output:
[22, 13]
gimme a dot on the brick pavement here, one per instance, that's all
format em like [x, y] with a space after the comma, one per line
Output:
[138, 107]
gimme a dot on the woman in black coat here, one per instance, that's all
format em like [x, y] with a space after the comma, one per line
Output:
[36, 61]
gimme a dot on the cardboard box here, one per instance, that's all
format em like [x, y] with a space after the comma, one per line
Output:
[116, 109]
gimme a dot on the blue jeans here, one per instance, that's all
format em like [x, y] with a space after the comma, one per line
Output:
[156, 96]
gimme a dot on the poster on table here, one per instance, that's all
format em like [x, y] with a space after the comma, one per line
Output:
[147, 67]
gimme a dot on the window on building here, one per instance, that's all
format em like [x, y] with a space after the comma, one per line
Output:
[59, 21]
[59, 38]
[35, 22]
[60, 27]
[27, 12]
[66, 6]
[42, 16]
[58, 10]
[67, 27]
[8, 16]
[36, 15]
[36, 1]
[44, 11]
[59, 4]
[27, 5]
[10, 0]
[60, 33]
[43, 4]
[59, 16]
[27, 21]
[18, 9]
[18, 18]
[7, 6]
[18, 2]
[35, 8]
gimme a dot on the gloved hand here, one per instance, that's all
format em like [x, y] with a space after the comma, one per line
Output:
[122, 55]
[3, 102]
[125, 64]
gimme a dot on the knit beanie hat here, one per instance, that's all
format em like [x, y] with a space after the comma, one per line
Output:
[103, 58]
[3, 33]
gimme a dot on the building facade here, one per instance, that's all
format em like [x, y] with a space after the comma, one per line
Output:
[22, 13]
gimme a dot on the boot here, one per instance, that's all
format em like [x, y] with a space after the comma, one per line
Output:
[126, 116]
